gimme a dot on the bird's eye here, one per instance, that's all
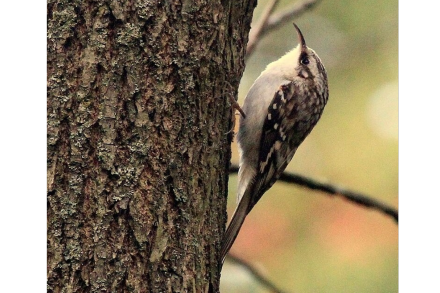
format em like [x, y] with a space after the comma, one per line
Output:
[305, 60]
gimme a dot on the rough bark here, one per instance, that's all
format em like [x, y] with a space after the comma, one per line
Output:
[138, 151]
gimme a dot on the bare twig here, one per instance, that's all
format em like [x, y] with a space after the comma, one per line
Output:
[270, 21]
[295, 11]
[330, 189]
[254, 272]
[254, 35]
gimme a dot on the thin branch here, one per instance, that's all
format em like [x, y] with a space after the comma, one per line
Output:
[329, 189]
[270, 21]
[283, 17]
[254, 272]
[254, 35]
[332, 190]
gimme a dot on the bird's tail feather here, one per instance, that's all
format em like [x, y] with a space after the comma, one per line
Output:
[237, 221]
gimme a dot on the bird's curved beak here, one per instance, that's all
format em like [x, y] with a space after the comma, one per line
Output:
[301, 39]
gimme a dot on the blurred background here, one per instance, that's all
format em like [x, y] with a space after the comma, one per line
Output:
[303, 240]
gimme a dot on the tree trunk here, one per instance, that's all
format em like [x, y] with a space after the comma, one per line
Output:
[138, 114]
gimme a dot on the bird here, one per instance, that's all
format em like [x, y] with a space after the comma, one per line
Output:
[282, 106]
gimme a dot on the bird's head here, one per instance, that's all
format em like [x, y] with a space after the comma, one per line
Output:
[301, 65]
[308, 63]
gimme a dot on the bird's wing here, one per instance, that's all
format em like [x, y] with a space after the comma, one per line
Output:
[275, 151]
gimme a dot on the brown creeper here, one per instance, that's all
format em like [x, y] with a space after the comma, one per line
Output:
[282, 107]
